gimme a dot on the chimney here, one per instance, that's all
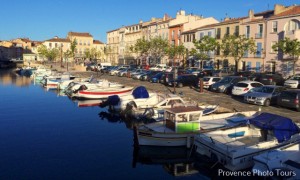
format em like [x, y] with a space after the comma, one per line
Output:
[227, 18]
[55, 37]
[141, 21]
[251, 14]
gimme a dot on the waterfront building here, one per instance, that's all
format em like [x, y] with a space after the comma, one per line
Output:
[84, 43]
[255, 27]
[112, 49]
[284, 23]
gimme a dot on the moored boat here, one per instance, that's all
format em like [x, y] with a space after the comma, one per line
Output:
[101, 92]
[181, 124]
[281, 162]
[235, 147]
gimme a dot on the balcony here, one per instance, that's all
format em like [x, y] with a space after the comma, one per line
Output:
[258, 35]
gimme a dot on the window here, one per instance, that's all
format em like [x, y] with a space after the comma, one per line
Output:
[55, 45]
[291, 26]
[179, 33]
[227, 30]
[50, 44]
[209, 34]
[274, 26]
[247, 31]
[237, 31]
[218, 33]
[260, 31]
[272, 44]
[173, 32]
[201, 35]
[259, 49]
[193, 37]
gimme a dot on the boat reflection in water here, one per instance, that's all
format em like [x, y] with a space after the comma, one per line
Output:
[88, 103]
[129, 122]
[177, 161]
[11, 78]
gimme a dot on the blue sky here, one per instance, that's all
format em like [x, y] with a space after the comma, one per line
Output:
[44, 19]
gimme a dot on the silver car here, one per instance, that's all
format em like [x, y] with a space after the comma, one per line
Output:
[264, 95]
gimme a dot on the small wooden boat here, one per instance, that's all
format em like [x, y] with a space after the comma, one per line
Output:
[235, 147]
[181, 124]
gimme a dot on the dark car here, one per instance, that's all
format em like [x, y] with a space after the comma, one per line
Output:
[166, 77]
[156, 78]
[146, 77]
[184, 80]
[264, 95]
[267, 78]
[226, 84]
[244, 73]
[290, 99]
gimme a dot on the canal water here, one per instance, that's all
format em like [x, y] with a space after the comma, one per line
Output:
[45, 135]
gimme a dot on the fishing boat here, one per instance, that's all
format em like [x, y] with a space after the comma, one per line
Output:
[281, 162]
[235, 147]
[181, 124]
[25, 71]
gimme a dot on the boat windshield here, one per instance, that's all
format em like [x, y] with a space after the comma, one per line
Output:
[296, 78]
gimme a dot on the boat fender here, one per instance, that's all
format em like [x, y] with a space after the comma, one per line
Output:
[132, 104]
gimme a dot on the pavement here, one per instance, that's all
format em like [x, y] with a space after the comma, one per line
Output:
[193, 94]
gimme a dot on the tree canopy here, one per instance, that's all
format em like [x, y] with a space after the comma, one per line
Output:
[289, 47]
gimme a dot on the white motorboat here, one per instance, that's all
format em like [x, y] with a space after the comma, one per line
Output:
[181, 124]
[100, 92]
[235, 147]
[54, 83]
[279, 163]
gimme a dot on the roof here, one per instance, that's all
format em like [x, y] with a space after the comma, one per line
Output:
[112, 30]
[84, 34]
[231, 21]
[58, 40]
[97, 42]
[293, 11]
[176, 25]
[183, 109]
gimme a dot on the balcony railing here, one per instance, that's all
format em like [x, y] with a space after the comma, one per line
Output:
[258, 35]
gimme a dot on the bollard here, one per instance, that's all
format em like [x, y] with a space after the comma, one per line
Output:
[201, 85]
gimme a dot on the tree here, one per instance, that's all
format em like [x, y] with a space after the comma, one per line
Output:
[42, 50]
[73, 48]
[50, 54]
[204, 46]
[141, 46]
[158, 48]
[289, 47]
[236, 46]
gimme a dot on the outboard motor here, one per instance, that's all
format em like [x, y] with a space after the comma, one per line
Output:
[111, 101]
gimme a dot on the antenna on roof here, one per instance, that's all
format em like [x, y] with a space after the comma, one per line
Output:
[268, 6]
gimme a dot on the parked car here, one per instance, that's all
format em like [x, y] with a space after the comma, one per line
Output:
[293, 82]
[184, 80]
[226, 84]
[210, 80]
[149, 74]
[264, 95]
[166, 77]
[244, 73]
[289, 98]
[116, 71]
[222, 72]
[267, 78]
[243, 87]
[156, 77]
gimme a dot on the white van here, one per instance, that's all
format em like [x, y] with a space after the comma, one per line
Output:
[159, 67]
[103, 65]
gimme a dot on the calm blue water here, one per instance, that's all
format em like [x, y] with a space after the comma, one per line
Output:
[46, 136]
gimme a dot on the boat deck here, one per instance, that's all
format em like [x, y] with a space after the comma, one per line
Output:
[159, 127]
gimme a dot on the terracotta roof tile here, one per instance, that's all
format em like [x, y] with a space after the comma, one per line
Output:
[97, 42]
[58, 40]
[293, 11]
[84, 34]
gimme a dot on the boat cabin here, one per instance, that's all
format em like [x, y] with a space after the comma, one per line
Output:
[183, 119]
